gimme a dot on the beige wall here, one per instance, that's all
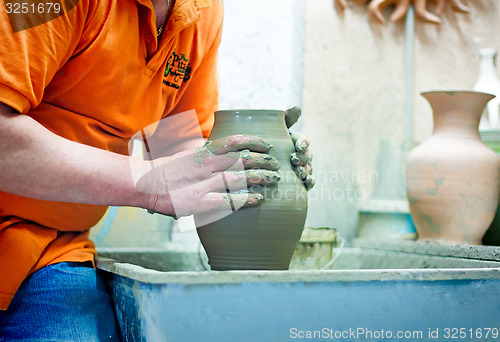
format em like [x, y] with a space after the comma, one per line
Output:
[354, 97]
[447, 56]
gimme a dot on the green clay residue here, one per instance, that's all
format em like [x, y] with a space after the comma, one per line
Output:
[413, 200]
[223, 144]
[253, 199]
[231, 198]
[301, 172]
[215, 146]
[245, 154]
[301, 146]
[227, 200]
[260, 160]
[309, 183]
[273, 162]
[431, 223]
[254, 143]
[438, 182]
[264, 176]
[199, 157]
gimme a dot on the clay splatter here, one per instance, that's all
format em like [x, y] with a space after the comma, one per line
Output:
[262, 177]
[438, 182]
[431, 223]
[259, 160]
[222, 145]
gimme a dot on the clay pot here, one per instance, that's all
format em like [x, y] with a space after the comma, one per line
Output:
[491, 138]
[452, 178]
[262, 237]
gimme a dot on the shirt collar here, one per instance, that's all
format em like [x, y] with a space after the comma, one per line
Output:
[203, 3]
[184, 13]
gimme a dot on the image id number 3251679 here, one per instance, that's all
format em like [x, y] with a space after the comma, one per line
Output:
[470, 333]
[34, 8]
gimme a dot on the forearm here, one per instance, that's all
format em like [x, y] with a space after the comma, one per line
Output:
[39, 164]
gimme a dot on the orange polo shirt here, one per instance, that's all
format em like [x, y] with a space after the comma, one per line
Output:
[97, 75]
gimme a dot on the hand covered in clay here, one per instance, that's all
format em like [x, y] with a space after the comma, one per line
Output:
[301, 159]
[214, 176]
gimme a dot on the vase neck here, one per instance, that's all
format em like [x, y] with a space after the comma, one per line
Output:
[457, 113]
[456, 124]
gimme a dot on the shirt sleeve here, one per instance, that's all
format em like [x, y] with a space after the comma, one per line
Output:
[33, 50]
[202, 93]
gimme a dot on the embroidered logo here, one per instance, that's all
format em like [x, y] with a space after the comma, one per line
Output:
[177, 70]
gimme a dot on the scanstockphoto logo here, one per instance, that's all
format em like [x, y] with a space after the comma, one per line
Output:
[25, 14]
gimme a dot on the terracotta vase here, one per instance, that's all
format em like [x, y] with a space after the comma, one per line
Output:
[262, 237]
[491, 138]
[452, 178]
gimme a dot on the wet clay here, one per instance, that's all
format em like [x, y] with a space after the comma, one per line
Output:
[262, 237]
[223, 144]
[452, 178]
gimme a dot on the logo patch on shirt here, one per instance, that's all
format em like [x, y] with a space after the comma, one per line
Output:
[177, 70]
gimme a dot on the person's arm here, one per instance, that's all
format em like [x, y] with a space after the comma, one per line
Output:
[37, 163]
[33, 161]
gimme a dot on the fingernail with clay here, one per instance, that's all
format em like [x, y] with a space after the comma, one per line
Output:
[302, 145]
[254, 199]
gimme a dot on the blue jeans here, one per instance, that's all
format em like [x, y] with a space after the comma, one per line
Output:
[61, 302]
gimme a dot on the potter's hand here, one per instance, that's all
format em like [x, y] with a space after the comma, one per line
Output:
[214, 176]
[301, 159]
